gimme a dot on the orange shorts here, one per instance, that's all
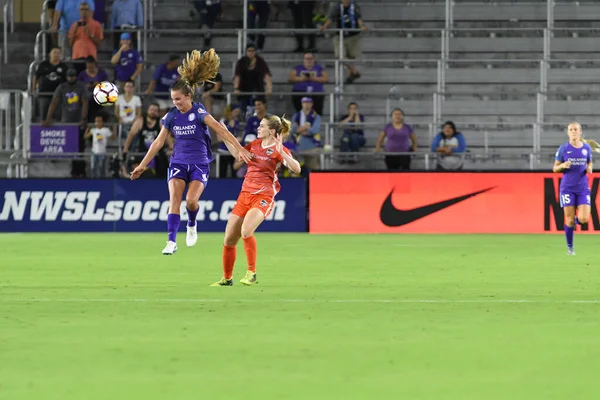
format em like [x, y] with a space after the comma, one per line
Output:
[246, 202]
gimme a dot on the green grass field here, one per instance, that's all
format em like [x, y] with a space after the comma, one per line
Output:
[106, 316]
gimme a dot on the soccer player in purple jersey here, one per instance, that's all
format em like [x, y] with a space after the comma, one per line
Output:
[188, 122]
[574, 159]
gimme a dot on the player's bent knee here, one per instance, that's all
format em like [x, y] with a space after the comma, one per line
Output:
[231, 240]
[191, 203]
[583, 219]
[247, 232]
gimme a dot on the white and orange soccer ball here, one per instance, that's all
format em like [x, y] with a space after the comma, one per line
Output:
[106, 94]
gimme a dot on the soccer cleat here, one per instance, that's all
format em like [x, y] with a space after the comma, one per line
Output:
[570, 251]
[192, 236]
[223, 282]
[170, 248]
[249, 279]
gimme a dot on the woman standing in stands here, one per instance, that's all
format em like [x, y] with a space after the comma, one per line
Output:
[401, 138]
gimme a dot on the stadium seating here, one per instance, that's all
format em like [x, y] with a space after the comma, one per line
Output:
[491, 69]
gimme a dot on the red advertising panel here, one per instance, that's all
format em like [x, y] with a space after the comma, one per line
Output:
[461, 202]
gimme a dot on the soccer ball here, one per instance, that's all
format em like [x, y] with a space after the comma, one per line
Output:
[106, 94]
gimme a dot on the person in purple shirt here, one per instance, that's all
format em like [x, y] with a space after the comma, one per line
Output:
[231, 120]
[574, 160]
[164, 77]
[91, 76]
[189, 124]
[401, 138]
[308, 78]
[127, 61]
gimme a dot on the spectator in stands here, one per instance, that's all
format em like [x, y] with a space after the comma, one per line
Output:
[308, 77]
[128, 107]
[252, 74]
[126, 15]
[212, 91]
[252, 123]
[50, 10]
[251, 130]
[164, 77]
[450, 146]
[401, 138]
[100, 135]
[127, 61]
[65, 15]
[84, 36]
[353, 137]
[143, 132]
[49, 74]
[231, 121]
[209, 11]
[72, 96]
[346, 15]
[258, 18]
[306, 125]
[91, 76]
[302, 13]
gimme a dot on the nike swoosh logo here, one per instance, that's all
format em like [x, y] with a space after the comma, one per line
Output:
[392, 216]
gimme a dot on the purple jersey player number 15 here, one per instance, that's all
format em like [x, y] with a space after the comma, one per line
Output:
[574, 186]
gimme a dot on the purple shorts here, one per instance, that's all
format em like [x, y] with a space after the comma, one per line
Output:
[575, 199]
[189, 172]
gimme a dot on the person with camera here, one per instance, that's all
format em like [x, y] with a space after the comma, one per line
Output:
[85, 36]
[309, 79]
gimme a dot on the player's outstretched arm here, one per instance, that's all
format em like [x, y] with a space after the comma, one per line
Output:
[230, 141]
[155, 147]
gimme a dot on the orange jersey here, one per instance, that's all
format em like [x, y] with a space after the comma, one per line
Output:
[266, 162]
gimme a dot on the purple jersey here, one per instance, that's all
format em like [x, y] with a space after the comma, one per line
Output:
[192, 138]
[575, 178]
[127, 64]
[165, 78]
[309, 86]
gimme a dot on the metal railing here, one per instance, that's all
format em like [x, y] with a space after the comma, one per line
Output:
[8, 18]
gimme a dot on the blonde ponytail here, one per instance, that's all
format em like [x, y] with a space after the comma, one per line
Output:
[196, 69]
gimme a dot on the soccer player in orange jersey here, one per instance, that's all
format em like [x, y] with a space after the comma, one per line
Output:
[257, 197]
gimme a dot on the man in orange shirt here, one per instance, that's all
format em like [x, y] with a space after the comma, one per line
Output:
[84, 36]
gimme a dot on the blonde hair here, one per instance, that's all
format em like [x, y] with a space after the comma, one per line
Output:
[280, 125]
[593, 144]
[196, 69]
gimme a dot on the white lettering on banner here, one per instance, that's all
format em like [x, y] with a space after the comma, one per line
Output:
[226, 209]
[164, 211]
[132, 211]
[53, 140]
[278, 213]
[14, 207]
[91, 214]
[113, 210]
[74, 206]
[49, 206]
[149, 213]
[83, 206]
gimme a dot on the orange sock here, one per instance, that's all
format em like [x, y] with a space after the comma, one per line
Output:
[228, 261]
[250, 247]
